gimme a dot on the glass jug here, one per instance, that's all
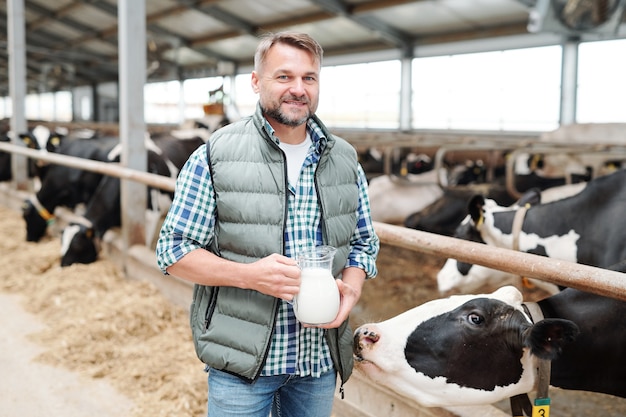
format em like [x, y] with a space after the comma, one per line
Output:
[318, 299]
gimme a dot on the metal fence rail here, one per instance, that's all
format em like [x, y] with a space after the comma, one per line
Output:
[106, 168]
[586, 278]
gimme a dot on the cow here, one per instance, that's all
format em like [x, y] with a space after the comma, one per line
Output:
[176, 147]
[462, 277]
[80, 239]
[35, 170]
[480, 349]
[393, 198]
[6, 173]
[593, 162]
[70, 187]
[446, 213]
[66, 186]
[581, 228]
[401, 162]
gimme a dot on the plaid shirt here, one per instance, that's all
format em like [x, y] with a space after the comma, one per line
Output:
[189, 225]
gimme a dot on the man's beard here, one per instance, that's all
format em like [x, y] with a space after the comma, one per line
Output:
[277, 114]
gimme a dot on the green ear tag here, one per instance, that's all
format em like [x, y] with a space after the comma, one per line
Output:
[541, 407]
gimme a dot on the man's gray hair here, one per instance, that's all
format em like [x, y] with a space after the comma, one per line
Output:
[295, 39]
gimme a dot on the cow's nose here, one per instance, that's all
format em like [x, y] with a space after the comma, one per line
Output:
[363, 337]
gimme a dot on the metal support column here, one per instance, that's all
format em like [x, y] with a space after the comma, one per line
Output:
[569, 82]
[132, 70]
[17, 86]
[406, 93]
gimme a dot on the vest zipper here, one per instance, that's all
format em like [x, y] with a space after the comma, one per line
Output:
[210, 308]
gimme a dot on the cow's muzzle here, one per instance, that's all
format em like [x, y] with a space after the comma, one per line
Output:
[364, 339]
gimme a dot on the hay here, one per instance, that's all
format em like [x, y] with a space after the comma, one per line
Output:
[104, 326]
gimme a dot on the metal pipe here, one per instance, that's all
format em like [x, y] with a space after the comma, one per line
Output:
[106, 168]
[569, 274]
[583, 277]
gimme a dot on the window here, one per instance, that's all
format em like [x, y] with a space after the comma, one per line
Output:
[601, 82]
[361, 95]
[502, 90]
[161, 102]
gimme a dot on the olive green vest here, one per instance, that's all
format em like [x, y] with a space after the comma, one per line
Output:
[232, 327]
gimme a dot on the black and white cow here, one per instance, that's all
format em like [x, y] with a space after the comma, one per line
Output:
[584, 228]
[581, 228]
[166, 155]
[480, 349]
[80, 239]
[6, 173]
[393, 198]
[446, 213]
[69, 187]
[34, 168]
[459, 277]
[66, 186]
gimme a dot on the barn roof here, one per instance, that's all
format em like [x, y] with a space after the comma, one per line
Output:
[71, 42]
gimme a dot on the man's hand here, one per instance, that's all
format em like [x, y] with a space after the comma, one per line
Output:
[276, 275]
[350, 292]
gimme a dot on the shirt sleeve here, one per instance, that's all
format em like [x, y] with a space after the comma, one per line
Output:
[190, 221]
[364, 243]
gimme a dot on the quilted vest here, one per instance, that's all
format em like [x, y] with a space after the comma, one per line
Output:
[232, 327]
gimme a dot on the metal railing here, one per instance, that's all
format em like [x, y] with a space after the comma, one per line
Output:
[586, 278]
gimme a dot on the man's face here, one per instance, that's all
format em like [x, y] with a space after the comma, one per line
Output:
[288, 85]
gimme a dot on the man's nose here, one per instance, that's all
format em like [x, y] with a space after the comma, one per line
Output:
[297, 87]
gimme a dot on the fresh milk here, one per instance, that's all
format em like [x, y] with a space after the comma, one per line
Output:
[318, 299]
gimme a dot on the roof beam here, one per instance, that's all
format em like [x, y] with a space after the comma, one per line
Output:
[152, 26]
[389, 34]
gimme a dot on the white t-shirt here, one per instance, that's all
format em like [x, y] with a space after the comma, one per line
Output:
[296, 154]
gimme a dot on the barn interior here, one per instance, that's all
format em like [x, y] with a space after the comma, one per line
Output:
[104, 54]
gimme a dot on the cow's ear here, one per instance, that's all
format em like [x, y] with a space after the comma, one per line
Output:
[475, 208]
[547, 338]
[532, 197]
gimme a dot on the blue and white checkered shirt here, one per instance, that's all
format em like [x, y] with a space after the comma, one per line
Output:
[189, 225]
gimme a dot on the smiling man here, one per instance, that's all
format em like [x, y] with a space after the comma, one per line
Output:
[262, 190]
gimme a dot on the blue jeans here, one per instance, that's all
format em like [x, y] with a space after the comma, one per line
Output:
[284, 395]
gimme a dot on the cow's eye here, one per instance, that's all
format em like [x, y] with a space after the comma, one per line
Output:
[474, 318]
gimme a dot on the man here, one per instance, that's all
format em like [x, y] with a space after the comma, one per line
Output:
[261, 190]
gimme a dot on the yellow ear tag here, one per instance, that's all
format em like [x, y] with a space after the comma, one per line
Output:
[541, 408]
[89, 233]
[526, 283]
[534, 162]
[480, 221]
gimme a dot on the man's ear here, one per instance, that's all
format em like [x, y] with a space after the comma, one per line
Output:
[254, 81]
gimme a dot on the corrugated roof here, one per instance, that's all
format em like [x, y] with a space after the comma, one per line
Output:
[73, 42]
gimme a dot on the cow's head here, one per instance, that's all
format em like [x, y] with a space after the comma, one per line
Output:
[461, 350]
[78, 245]
[36, 218]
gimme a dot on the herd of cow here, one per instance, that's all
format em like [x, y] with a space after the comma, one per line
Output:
[461, 350]
[94, 198]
